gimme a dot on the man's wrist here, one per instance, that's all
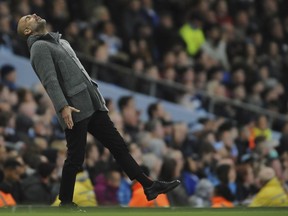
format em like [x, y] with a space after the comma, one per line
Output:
[63, 108]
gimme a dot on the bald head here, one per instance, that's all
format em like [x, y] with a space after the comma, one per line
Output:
[31, 25]
[21, 27]
[266, 174]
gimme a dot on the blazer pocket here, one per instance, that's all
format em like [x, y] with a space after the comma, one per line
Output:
[76, 89]
[64, 71]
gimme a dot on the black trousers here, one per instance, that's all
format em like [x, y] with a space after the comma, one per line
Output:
[102, 128]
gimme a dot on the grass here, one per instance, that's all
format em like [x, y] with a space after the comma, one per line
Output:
[54, 211]
[100, 211]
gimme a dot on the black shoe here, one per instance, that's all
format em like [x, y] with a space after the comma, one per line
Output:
[159, 187]
[71, 207]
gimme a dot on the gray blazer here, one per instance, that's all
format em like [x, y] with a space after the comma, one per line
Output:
[64, 77]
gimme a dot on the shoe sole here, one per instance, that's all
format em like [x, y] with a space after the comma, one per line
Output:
[166, 190]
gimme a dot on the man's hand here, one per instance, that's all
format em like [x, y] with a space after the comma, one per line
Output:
[66, 114]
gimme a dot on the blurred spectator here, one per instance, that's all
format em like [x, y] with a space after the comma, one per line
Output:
[283, 142]
[262, 128]
[145, 41]
[87, 41]
[222, 12]
[83, 192]
[208, 162]
[92, 160]
[255, 96]
[109, 37]
[203, 194]
[144, 86]
[6, 199]
[119, 124]
[106, 187]
[71, 34]
[226, 145]
[11, 181]
[138, 65]
[130, 115]
[252, 60]
[191, 99]
[8, 76]
[153, 163]
[271, 192]
[222, 198]
[59, 14]
[156, 144]
[169, 60]
[156, 112]
[23, 125]
[3, 151]
[42, 130]
[149, 12]
[136, 153]
[38, 7]
[25, 95]
[37, 188]
[124, 193]
[246, 187]
[190, 179]
[267, 155]
[227, 182]
[6, 43]
[285, 169]
[169, 75]
[177, 197]
[183, 61]
[239, 93]
[215, 46]
[180, 137]
[132, 18]
[166, 35]
[99, 14]
[241, 24]
[192, 33]
[101, 53]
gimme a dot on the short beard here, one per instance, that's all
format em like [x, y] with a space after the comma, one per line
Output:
[40, 27]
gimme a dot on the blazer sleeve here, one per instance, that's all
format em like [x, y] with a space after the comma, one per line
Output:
[42, 63]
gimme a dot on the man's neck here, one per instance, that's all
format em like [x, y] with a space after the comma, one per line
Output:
[44, 32]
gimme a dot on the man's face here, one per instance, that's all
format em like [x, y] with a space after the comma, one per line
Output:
[160, 111]
[114, 179]
[31, 24]
[3, 152]
[13, 175]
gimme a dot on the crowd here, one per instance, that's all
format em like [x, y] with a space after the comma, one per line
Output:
[236, 49]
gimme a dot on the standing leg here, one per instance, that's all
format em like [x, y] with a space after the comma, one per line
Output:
[76, 143]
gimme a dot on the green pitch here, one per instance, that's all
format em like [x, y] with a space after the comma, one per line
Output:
[38, 211]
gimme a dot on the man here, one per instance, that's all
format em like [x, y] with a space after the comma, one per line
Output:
[8, 76]
[107, 186]
[10, 185]
[37, 188]
[271, 194]
[157, 111]
[84, 192]
[69, 86]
